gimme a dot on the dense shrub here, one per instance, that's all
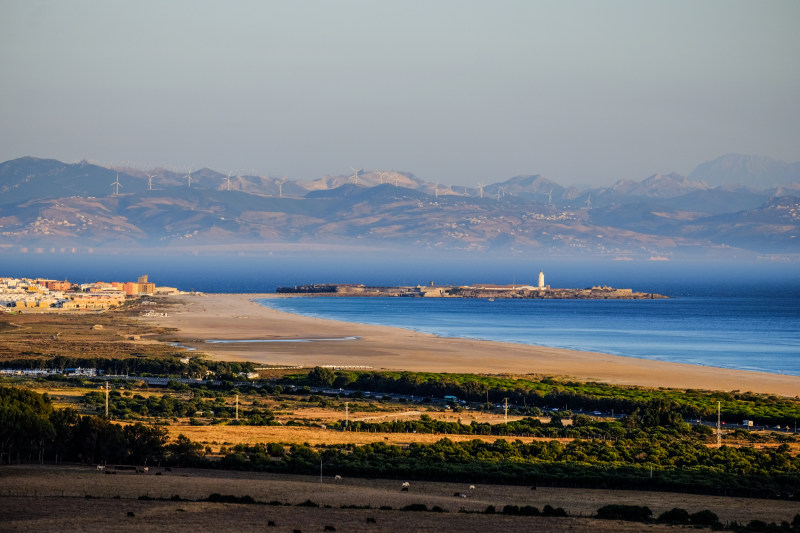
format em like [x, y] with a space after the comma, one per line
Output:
[631, 513]
[675, 516]
[415, 507]
[704, 518]
[229, 498]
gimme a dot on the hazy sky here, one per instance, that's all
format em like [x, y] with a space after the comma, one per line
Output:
[453, 91]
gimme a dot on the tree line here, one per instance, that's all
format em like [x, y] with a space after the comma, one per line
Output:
[136, 365]
[31, 430]
[566, 395]
[642, 462]
[129, 406]
[648, 457]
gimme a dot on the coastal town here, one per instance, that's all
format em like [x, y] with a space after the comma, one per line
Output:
[23, 294]
[540, 291]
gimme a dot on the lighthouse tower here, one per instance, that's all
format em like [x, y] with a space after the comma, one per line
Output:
[541, 280]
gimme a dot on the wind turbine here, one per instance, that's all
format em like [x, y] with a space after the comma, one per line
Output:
[280, 183]
[149, 181]
[436, 189]
[589, 201]
[381, 174]
[480, 188]
[189, 179]
[355, 174]
[550, 197]
[116, 186]
[228, 181]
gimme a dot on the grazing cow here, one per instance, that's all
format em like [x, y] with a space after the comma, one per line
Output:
[130, 514]
[146, 469]
[406, 484]
[370, 520]
[329, 528]
[271, 524]
[297, 531]
[472, 487]
[101, 467]
[533, 487]
[337, 477]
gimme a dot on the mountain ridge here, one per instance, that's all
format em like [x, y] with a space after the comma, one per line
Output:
[47, 203]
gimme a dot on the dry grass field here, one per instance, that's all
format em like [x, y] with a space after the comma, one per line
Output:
[289, 408]
[232, 435]
[49, 498]
[113, 333]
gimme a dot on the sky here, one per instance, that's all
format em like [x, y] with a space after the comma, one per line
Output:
[459, 92]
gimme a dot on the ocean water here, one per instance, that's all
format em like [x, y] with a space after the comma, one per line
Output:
[733, 314]
[749, 331]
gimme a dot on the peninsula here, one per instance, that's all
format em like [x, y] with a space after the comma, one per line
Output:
[481, 290]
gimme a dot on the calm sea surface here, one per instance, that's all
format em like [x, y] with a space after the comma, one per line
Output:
[745, 332]
[723, 313]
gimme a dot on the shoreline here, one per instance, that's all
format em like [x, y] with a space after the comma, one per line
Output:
[232, 317]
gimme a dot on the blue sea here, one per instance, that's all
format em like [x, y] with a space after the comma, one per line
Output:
[733, 314]
[745, 332]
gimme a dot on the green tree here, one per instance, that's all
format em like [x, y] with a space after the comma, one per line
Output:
[323, 377]
[145, 443]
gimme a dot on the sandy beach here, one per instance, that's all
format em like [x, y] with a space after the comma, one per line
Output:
[298, 340]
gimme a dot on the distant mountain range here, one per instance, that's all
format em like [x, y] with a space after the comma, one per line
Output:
[750, 170]
[740, 205]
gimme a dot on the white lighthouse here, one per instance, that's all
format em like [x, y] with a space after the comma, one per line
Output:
[541, 280]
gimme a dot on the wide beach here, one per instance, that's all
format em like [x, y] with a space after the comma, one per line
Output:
[294, 340]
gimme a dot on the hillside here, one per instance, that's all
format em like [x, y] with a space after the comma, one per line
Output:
[46, 203]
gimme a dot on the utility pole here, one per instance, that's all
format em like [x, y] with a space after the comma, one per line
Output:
[237, 407]
[106, 400]
[346, 415]
[505, 408]
[719, 426]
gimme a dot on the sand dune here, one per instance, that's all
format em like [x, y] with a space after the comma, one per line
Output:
[237, 317]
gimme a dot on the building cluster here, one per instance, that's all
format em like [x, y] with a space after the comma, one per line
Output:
[479, 290]
[28, 294]
[37, 372]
